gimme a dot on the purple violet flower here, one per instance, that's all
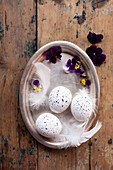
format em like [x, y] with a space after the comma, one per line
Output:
[36, 83]
[53, 54]
[85, 82]
[37, 87]
[96, 55]
[73, 65]
[94, 38]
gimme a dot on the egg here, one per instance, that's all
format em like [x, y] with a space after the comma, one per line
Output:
[59, 99]
[81, 106]
[48, 125]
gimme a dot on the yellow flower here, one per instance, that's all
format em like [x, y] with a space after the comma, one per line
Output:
[84, 75]
[77, 65]
[83, 81]
[37, 89]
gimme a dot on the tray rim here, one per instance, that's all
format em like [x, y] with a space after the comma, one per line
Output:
[33, 60]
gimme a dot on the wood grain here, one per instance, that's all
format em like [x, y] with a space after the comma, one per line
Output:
[17, 44]
[102, 145]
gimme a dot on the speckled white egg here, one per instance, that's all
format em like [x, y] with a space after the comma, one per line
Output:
[81, 107]
[48, 125]
[59, 99]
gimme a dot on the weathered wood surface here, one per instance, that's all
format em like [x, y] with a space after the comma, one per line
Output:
[24, 27]
[17, 43]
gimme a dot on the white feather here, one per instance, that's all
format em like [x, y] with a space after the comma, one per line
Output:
[87, 135]
[43, 74]
[79, 135]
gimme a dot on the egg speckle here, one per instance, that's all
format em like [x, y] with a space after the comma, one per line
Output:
[81, 107]
[48, 125]
[59, 99]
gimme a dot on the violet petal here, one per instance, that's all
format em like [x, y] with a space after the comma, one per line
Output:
[36, 82]
[91, 49]
[76, 58]
[88, 82]
[79, 71]
[98, 51]
[52, 60]
[53, 53]
[68, 63]
[99, 38]
[94, 38]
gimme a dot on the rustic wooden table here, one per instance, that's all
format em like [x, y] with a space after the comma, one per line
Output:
[26, 25]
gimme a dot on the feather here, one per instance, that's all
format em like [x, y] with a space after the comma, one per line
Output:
[78, 135]
[87, 135]
[43, 74]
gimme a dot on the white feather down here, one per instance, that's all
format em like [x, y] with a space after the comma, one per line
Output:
[79, 136]
[43, 74]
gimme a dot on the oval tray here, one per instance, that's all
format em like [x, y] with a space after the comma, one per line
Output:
[68, 48]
